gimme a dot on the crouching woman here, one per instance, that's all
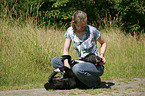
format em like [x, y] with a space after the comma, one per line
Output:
[84, 38]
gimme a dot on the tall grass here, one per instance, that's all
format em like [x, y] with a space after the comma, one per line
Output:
[125, 55]
[26, 51]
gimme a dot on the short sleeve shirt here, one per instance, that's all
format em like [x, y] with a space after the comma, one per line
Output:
[87, 44]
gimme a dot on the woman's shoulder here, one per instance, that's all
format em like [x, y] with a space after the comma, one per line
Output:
[70, 29]
[94, 31]
[69, 32]
[92, 27]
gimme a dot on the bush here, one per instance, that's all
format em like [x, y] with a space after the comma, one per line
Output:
[131, 12]
[62, 11]
[133, 15]
[58, 11]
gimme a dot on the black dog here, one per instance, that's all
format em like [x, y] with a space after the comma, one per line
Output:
[69, 80]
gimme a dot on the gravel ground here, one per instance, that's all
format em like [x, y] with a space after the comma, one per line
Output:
[119, 87]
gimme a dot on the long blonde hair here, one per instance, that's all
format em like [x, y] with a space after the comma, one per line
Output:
[78, 16]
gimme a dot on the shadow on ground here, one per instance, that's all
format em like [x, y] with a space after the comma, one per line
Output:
[106, 84]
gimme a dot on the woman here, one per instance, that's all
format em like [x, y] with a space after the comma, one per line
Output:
[84, 39]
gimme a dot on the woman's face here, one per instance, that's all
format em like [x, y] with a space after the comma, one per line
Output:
[81, 26]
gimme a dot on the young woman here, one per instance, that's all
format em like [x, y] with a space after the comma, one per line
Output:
[84, 38]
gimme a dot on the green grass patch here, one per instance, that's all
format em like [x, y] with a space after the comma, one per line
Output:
[26, 51]
[125, 55]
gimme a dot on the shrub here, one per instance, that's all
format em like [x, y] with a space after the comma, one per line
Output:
[133, 15]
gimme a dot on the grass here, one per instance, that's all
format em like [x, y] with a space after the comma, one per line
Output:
[26, 51]
[125, 55]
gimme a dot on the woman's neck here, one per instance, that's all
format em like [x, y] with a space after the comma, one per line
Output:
[80, 34]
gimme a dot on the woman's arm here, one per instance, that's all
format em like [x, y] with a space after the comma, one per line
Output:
[66, 51]
[102, 41]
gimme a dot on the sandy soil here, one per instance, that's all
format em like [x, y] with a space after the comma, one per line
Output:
[119, 87]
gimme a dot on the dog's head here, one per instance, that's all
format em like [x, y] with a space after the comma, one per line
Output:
[91, 57]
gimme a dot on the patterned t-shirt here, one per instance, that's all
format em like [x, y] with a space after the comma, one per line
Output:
[87, 44]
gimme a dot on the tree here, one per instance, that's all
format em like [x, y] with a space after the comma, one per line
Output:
[133, 15]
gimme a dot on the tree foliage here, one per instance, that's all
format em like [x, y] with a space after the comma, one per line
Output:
[131, 12]
[133, 15]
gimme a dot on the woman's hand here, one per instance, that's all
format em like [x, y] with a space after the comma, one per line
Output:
[104, 60]
[66, 64]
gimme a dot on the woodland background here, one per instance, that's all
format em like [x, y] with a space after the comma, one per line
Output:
[130, 14]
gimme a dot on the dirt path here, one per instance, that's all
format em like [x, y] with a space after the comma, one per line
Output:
[120, 87]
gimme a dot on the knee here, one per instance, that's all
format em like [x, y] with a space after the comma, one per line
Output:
[57, 62]
[76, 69]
